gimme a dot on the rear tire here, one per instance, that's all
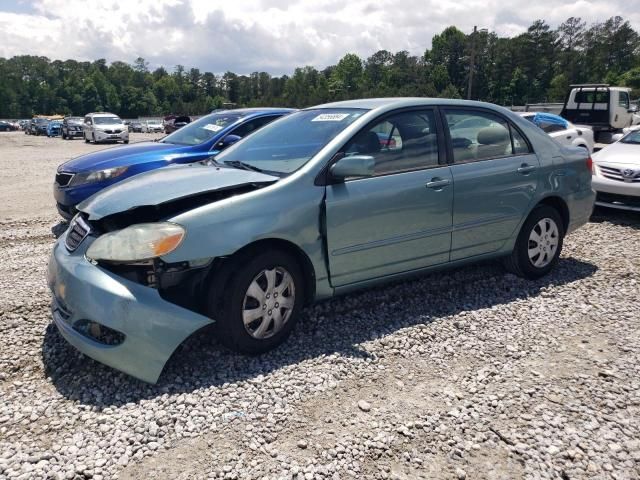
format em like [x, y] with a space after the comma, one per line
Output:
[260, 303]
[539, 244]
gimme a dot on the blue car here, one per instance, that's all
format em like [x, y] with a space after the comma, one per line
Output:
[79, 178]
[54, 128]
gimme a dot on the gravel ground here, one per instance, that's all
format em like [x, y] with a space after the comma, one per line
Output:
[471, 373]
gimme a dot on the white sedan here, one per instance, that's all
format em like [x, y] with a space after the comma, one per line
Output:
[152, 126]
[616, 173]
[562, 130]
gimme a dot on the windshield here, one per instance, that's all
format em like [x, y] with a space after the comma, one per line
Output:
[204, 129]
[633, 137]
[41, 120]
[74, 120]
[154, 122]
[287, 144]
[106, 120]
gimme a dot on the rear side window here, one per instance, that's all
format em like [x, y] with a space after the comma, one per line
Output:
[401, 142]
[478, 135]
[252, 125]
[592, 96]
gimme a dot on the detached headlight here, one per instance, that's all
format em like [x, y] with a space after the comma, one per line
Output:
[97, 176]
[139, 242]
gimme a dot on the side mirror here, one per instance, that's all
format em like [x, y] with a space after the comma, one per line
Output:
[616, 137]
[354, 166]
[633, 109]
[228, 141]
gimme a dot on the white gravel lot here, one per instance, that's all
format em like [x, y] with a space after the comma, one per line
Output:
[471, 373]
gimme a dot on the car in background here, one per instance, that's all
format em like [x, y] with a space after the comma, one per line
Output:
[23, 124]
[72, 127]
[135, 126]
[37, 126]
[309, 207]
[561, 130]
[7, 126]
[79, 178]
[174, 122]
[152, 126]
[616, 173]
[104, 127]
[54, 128]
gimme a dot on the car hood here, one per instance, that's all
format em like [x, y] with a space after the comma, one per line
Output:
[168, 184]
[621, 153]
[124, 155]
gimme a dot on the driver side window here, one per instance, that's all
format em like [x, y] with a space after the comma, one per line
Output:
[401, 142]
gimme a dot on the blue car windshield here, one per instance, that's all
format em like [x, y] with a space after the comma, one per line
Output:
[203, 129]
[288, 143]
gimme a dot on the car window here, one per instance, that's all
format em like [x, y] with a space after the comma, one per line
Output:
[520, 145]
[401, 142]
[601, 96]
[252, 125]
[203, 129]
[623, 100]
[489, 138]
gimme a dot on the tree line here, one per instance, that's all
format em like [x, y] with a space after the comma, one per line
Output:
[535, 66]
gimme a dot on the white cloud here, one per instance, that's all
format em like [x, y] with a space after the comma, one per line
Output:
[271, 35]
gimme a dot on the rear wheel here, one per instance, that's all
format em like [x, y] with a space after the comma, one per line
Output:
[93, 138]
[539, 244]
[260, 303]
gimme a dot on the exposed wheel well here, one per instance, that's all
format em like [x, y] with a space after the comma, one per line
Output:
[285, 246]
[560, 206]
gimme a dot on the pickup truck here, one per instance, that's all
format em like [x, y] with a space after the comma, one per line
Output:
[607, 110]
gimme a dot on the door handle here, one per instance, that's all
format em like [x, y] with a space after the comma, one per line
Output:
[437, 183]
[525, 169]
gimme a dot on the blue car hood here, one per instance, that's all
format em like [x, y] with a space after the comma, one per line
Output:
[126, 155]
[167, 184]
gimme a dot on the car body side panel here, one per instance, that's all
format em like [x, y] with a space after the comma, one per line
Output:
[388, 224]
[491, 198]
[220, 229]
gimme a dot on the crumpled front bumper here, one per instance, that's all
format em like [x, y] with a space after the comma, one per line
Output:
[153, 328]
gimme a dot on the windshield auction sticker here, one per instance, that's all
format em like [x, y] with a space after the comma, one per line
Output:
[213, 127]
[330, 117]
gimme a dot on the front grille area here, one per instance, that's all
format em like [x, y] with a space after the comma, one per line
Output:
[63, 178]
[618, 174]
[77, 232]
[618, 200]
[112, 131]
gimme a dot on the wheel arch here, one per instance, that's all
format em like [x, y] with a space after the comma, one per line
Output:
[280, 244]
[560, 206]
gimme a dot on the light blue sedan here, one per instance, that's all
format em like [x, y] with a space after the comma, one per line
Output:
[322, 202]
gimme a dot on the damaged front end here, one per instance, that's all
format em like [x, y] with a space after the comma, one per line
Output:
[127, 309]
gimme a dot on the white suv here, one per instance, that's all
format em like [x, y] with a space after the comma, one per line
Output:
[104, 127]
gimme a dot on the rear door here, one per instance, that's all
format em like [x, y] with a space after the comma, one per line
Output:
[400, 219]
[495, 176]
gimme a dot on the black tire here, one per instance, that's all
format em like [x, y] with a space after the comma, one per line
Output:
[93, 138]
[227, 307]
[519, 262]
[86, 140]
[125, 141]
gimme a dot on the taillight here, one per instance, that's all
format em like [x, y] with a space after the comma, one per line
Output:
[590, 165]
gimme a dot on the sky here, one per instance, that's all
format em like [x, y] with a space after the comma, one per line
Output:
[275, 36]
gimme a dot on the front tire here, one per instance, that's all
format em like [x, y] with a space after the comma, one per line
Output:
[539, 244]
[260, 303]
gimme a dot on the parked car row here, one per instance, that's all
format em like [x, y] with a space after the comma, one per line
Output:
[239, 219]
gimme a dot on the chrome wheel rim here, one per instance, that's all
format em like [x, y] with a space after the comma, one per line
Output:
[543, 242]
[268, 303]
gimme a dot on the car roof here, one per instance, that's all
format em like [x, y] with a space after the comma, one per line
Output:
[101, 114]
[253, 111]
[400, 102]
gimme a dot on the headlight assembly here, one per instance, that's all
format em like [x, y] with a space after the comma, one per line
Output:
[136, 243]
[97, 176]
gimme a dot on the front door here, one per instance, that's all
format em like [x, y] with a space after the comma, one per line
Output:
[400, 219]
[495, 173]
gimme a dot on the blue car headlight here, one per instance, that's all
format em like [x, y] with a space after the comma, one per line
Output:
[97, 175]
